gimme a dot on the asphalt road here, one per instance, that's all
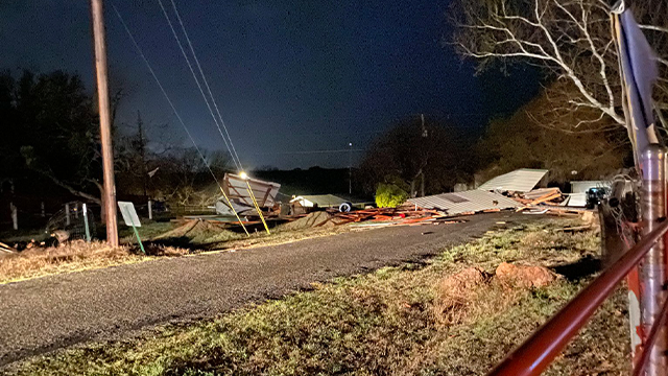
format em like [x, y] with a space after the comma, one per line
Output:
[42, 315]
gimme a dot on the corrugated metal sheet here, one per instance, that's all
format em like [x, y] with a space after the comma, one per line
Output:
[522, 180]
[467, 201]
[578, 199]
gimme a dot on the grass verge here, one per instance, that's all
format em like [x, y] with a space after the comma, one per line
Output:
[77, 255]
[382, 323]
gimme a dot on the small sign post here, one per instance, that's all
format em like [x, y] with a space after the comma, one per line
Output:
[131, 219]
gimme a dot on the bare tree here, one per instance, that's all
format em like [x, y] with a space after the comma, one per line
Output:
[416, 155]
[572, 41]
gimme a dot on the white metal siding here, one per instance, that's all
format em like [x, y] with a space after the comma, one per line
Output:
[477, 200]
[522, 180]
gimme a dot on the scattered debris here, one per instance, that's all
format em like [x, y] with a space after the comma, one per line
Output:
[465, 203]
[576, 229]
[4, 248]
[61, 236]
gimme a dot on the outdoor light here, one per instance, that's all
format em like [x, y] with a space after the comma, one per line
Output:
[243, 175]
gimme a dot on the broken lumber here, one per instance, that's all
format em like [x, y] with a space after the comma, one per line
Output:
[6, 248]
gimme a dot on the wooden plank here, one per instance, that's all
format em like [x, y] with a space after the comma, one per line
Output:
[6, 248]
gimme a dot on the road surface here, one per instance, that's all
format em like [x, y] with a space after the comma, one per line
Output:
[42, 315]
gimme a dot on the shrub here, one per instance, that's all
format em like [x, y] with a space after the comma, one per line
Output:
[390, 196]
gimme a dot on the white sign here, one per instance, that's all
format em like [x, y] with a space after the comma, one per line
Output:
[129, 213]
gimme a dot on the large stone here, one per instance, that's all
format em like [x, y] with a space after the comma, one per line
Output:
[524, 276]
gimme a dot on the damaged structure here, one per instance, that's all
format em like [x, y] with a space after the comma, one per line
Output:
[465, 202]
[237, 190]
[514, 190]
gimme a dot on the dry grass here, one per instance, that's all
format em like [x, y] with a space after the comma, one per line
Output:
[74, 256]
[383, 323]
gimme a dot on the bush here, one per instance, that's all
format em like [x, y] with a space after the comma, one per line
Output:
[390, 196]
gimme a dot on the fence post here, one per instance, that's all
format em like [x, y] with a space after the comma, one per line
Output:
[15, 216]
[67, 214]
[653, 267]
[150, 209]
[85, 218]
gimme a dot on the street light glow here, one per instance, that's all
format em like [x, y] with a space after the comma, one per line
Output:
[243, 175]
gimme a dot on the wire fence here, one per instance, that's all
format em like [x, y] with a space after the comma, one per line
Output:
[75, 221]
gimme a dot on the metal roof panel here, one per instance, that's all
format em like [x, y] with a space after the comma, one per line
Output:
[522, 180]
[476, 200]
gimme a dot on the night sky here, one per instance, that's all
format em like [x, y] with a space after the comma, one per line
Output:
[292, 78]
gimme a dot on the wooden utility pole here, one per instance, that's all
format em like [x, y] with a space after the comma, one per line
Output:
[109, 195]
[350, 168]
[141, 148]
[425, 134]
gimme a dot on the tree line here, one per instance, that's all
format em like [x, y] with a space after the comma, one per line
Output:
[51, 146]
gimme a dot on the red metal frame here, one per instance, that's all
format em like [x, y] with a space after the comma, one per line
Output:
[536, 353]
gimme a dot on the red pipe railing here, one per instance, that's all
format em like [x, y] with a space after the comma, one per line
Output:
[651, 340]
[536, 353]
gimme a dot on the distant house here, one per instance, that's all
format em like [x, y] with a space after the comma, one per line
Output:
[321, 201]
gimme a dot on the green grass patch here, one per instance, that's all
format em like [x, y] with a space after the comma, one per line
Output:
[382, 323]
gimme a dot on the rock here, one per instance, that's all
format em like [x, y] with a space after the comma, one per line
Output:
[524, 276]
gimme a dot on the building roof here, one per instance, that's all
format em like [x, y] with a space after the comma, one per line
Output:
[466, 201]
[522, 180]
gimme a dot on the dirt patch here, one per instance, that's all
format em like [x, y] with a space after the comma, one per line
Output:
[455, 292]
[316, 219]
[523, 276]
[196, 232]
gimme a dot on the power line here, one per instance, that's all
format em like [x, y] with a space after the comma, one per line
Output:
[314, 151]
[162, 89]
[233, 151]
[206, 82]
[199, 86]
[171, 104]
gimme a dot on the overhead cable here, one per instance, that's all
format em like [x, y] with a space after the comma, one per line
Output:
[206, 82]
[227, 141]
[176, 113]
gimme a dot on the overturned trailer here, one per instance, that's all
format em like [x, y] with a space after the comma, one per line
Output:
[241, 193]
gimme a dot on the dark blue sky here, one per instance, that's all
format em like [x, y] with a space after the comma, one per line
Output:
[291, 77]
